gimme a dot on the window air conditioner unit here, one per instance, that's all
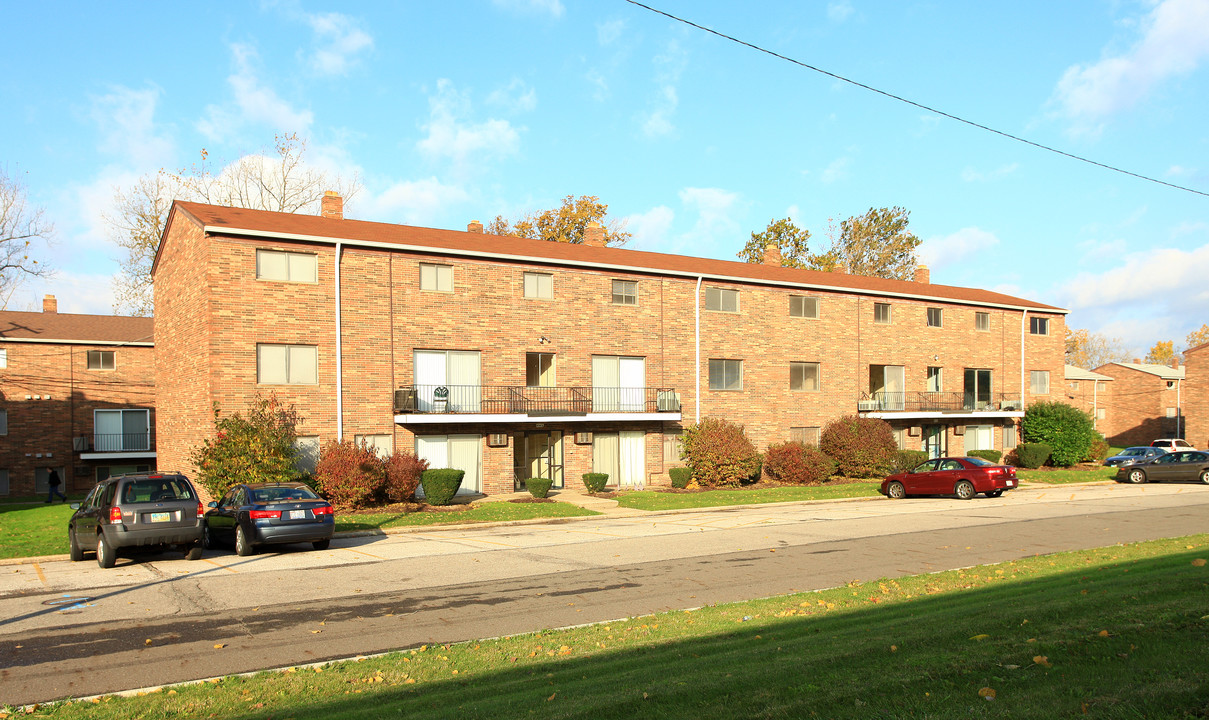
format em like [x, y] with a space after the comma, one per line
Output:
[583, 438]
[866, 405]
[668, 401]
[913, 431]
[959, 429]
[405, 400]
[497, 440]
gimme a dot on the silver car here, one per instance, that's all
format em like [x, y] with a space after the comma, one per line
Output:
[142, 510]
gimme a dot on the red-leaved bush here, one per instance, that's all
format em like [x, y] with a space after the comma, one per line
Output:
[795, 463]
[861, 447]
[403, 471]
[719, 453]
[349, 476]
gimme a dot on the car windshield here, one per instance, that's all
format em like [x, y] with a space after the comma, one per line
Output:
[282, 494]
[156, 490]
[978, 461]
[1133, 452]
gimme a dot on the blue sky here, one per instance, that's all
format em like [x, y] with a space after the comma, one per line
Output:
[451, 112]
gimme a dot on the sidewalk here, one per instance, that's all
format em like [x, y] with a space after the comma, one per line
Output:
[573, 496]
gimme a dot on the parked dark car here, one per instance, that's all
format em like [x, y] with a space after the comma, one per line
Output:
[1172, 444]
[1181, 465]
[140, 510]
[254, 514]
[1133, 454]
[964, 477]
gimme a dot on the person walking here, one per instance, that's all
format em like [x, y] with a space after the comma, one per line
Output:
[53, 481]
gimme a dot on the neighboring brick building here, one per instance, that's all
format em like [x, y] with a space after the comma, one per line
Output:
[1196, 395]
[78, 394]
[1091, 392]
[1147, 402]
[511, 358]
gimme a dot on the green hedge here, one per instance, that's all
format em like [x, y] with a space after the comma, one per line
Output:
[681, 476]
[988, 455]
[595, 482]
[538, 487]
[1033, 455]
[441, 484]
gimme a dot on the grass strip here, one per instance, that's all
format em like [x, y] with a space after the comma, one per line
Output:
[1116, 632]
[1065, 476]
[654, 500]
[33, 530]
[478, 512]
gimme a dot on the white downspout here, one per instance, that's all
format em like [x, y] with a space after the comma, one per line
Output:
[1179, 412]
[1023, 330]
[339, 356]
[1095, 404]
[697, 342]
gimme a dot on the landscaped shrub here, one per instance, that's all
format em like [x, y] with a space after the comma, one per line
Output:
[861, 447]
[1066, 429]
[539, 487]
[681, 476]
[797, 464]
[441, 484]
[988, 455]
[907, 460]
[1098, 450]
[257, 446]
[403, 471]
[595, 482]
[1032, 455]
[719, 453]
[350, 475]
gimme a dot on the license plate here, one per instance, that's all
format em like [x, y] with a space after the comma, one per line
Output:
[298, 514]
[1010, 483]
[161, 517]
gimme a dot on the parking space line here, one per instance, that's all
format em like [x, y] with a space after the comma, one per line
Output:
[477, 540]
[38, 569]
[362, 552]
[220, 565]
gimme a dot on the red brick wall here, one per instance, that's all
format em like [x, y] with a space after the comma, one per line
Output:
[1196, 396]
[1137, 411]
[1085, 395]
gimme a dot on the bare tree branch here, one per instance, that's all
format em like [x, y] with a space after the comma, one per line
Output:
[21, 229]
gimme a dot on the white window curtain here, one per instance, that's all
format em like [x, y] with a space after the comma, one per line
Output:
[632, 459]
[454, 451]
[605, 455]
[463, 373]
[895, 383]
[979, 437]
[606, 378]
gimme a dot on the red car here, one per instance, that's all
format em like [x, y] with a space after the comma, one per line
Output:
[964, 477]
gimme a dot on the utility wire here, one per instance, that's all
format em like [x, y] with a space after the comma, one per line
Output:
[921, 106]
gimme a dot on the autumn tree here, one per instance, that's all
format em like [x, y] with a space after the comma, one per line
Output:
[1197, 337]
[21, 228]
[279, 181]
[792, 241]
[256, 446]
[1162, 353]
[565, 223]
[1090, 350]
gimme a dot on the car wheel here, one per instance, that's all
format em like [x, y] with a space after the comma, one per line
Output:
[964, 490]
[193, 552]
[321, 544]
[106, 556]
[77, 553]
[896, 491]
[1204, 477]
[208, 539]
[1137, 476]
[243, 548]
[994, 493]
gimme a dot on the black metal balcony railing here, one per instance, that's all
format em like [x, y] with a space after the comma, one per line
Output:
[885, 401]
[508, 399]
[117, 442]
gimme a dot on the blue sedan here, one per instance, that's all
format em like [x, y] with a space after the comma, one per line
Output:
[1134, 454]
[254, 514]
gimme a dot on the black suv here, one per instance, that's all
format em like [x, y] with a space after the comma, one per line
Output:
[144, 510]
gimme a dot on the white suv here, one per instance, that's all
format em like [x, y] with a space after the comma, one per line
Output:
[1172, 444]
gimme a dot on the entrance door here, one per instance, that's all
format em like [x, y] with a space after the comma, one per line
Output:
[934, 441]
[622, 455]
[538, 455]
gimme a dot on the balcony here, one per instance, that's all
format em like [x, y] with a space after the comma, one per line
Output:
[467, 403]
[101, 446]
[939, 402]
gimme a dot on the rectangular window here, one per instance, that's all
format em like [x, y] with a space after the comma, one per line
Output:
[977, 389]
[539, 285]
[808, 436]
[307, 449]
[1100, 414]
[721, 299]
[437, 278]
[1170, 412]
[803, 307]
[725, 374]
[671, 446]
[100, 359]
[803, 376]
[982, 321]
[979, 437]
[881, 313]
[121, 430]
[3, 358]
[934, 379]
[1074, 384]
[900, 437]
[3, 422]
[539, 369]
[1038, 326]
[382, 445]
[448, 380]
[625, 292]
[287, 266]
[287, 364]
[618, 383]
[936, 317]
[1009, 436]
[1039, 382]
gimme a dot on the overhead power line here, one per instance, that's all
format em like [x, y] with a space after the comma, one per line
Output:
[921, 106]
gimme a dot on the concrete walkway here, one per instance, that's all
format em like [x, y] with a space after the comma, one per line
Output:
[573, 496]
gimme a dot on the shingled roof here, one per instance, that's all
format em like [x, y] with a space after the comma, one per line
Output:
[71, 328]
[239, 221]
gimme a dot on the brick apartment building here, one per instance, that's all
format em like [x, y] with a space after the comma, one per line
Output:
[1147, 402]
[77, 393]
[513, 358]
[1091, 392]
[1196, 395]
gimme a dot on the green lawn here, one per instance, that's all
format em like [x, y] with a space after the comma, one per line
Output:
[478, 512]
[33, 530]
[1062, 476]
[655, 500]
[1118, 632]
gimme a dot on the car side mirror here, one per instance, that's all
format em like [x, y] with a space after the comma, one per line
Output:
[74, 506]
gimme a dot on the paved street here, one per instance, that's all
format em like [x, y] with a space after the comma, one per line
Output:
[74, 629]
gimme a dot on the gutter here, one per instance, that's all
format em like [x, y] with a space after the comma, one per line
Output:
[697, 343]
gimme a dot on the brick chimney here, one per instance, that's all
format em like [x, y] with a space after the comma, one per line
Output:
[772, 255]
[922, 275]
[332, 206]
[50, 305]
[1175, 363]
[1137, 361]
[594, 234]
[475, 227]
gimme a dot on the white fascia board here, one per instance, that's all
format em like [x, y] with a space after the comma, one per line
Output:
[524, 419]
[117, 455]
[430, 250]
[946, 415]
[114, 343]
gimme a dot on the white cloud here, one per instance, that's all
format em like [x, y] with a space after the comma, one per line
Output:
[75, 292]
[1190, 228]
[551, 7]
[125, 119]
[415, 202]
[972, 175]
[600, 86]
[650, 230]
[1155, 282]
[516, 97]
[253, 104]
[835, 171]
[713, 208]
[839, 10]
[1175, 39]
[937, 252]
[669, 65]
[340, 41]
[608, 32]
[450, 136]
